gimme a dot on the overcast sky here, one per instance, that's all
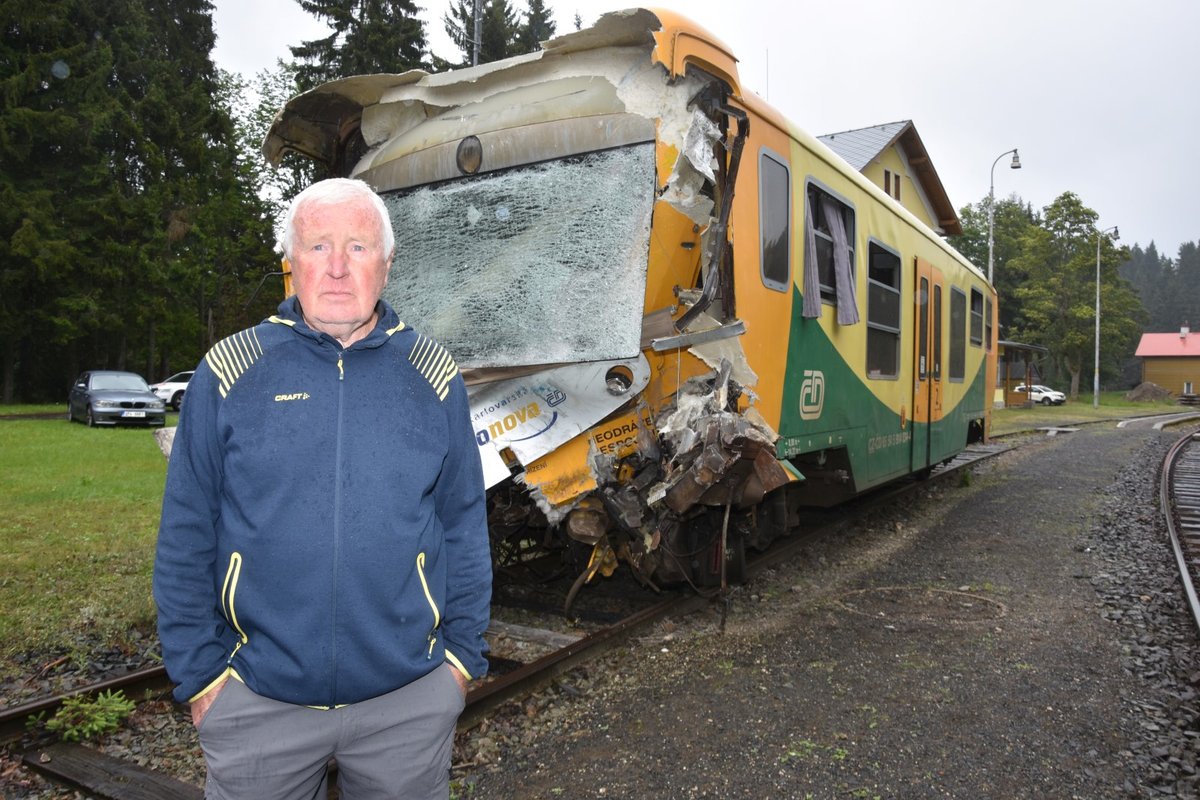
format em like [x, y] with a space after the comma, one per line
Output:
[1101, 97]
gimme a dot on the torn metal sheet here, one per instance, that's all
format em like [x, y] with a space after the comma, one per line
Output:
[388, 107]
[532, 415]
[719, 457]
[694, 170]
[726, 350]
[639, 489]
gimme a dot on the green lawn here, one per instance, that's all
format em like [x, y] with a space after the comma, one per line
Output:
[45, 408]
[1113, 405]
[81, 508]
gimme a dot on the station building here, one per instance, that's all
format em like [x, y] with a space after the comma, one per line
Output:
[1172, 361]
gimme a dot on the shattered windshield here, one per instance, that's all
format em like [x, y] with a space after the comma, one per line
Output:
[540, 264]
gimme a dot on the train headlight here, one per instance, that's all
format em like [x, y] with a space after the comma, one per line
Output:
[618, 380]
[469, 156]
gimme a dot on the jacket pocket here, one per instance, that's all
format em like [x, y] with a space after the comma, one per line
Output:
[228, 596]
[437, 614]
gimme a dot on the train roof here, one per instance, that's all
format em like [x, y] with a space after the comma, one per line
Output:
[322, 122]
[318, 122]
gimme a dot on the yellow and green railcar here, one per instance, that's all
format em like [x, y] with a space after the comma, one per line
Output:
[680, 317]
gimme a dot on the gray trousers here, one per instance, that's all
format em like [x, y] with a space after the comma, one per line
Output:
[394, 746]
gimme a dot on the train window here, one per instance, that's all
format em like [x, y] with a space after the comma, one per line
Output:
[775, 212]
[987, 324]
[829, 253]
[883, 312]
[923, 329]
[537, 264]
[976, 317]
[958, 334]
[937, 332]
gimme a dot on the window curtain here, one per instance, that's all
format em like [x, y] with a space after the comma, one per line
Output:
[812, 276]
[847, 302]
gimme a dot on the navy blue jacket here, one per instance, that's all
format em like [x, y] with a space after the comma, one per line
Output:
[324, 532]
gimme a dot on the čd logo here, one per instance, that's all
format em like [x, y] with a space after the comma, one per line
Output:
[812, 394]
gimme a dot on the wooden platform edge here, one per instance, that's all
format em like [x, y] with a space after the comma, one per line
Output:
[103, 776]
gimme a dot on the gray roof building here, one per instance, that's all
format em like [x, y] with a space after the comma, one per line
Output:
[893, 156]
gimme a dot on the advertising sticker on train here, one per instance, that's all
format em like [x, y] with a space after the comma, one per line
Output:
[534, 414]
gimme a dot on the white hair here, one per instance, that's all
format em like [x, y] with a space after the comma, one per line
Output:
[333, 191]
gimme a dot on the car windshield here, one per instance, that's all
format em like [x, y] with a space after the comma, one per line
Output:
[121, 383]
[539, 264]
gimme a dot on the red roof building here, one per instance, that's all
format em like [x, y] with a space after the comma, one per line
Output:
[1171, 360]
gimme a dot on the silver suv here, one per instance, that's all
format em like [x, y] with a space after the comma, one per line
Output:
[171, 390]
[1044, 395]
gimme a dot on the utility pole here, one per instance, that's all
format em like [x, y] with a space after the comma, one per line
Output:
[1116, 234]
[478, 35]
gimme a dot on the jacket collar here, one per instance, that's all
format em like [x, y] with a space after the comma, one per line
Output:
[387, 322]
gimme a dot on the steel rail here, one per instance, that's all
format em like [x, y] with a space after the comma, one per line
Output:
[1179, 498]
[14, 719]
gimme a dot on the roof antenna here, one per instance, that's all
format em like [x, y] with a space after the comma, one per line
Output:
[767, 57]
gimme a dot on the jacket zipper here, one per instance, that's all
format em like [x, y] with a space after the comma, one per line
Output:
[228, 593]
[437, 615]
[337, 529]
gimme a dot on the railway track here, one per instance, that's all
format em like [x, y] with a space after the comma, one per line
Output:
[1179, 495]
[96, 774]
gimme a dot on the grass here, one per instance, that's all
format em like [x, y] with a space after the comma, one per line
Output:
[44, 408]
[1113, 405]
[81, 509]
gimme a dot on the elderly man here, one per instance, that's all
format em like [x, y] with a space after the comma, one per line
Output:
[322, 576]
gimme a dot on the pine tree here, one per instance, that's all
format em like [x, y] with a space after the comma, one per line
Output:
[368, 36]
[117, 154]
[539, 26]
[1152, 277]
[42, 148]
[1187, 267]
[500, 27]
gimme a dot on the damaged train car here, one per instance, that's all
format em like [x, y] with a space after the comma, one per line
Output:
[680, 317]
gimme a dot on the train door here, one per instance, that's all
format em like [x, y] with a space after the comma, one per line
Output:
[927, 363]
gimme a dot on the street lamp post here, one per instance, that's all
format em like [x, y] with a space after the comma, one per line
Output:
[1096, 375]
[1016, 164]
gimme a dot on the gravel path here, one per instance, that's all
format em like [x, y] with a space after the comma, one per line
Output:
[1018, 635]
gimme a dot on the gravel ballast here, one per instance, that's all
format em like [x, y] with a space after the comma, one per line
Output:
[1022, 636]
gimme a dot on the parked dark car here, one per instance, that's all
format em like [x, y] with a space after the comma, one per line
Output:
[109, 397]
